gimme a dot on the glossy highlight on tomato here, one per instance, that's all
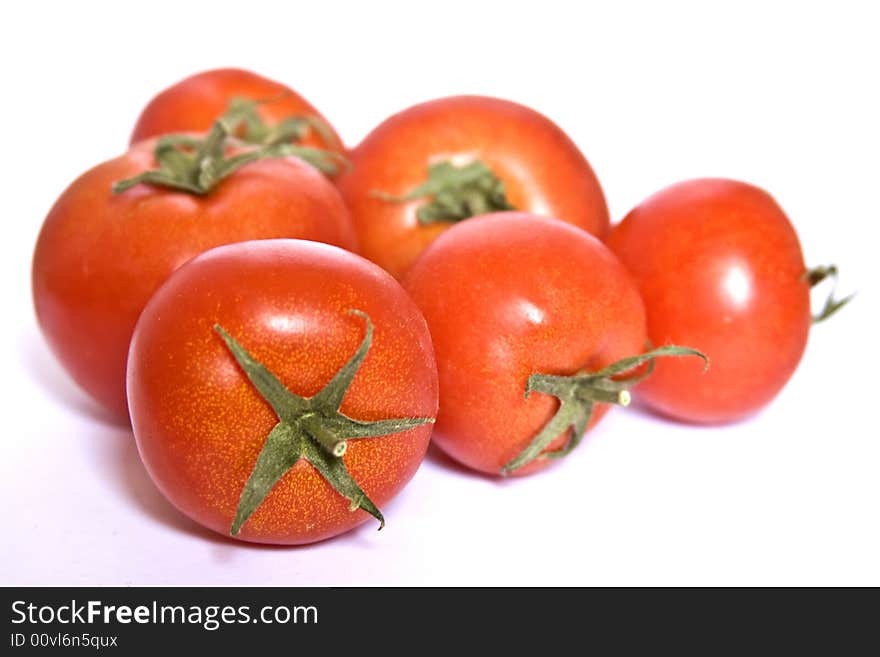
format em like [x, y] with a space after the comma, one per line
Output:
[720, 268]
[199, 422]
[100, 256]
[506, 296]
[538, 166]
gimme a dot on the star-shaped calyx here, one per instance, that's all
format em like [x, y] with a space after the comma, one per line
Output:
[456, 193]
[196, 164]
[577, 396]
[310, 428]
[293, 129]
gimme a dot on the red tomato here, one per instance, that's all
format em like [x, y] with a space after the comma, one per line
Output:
[507, 296]
[527, 163]
[200, 423]
[720, 268]
[100, 256]
[193, 104]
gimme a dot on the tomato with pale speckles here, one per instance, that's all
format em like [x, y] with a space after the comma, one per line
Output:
[720, 269]
[540, 167]
[194, 103]
[200, 423]
[100, 256]
[506, 296]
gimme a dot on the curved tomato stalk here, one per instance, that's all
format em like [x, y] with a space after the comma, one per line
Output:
[310, 428]
[815, 276]
[457, 193]
[578, 394]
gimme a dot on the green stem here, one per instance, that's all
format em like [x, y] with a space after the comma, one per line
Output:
[578, 394]
[324, 436]
[196, 165]
[814, 277]
[310, 428]
[293, 129]
[456, 193]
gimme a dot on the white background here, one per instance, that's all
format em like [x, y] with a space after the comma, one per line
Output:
[781, 95]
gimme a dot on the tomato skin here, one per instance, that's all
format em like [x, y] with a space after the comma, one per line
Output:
[194, 103]
[507, 295]
[543, 171]
[99, 256]
[200, 424]
[720, 269]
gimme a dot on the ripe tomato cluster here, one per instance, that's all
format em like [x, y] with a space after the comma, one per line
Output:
[287, 323]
